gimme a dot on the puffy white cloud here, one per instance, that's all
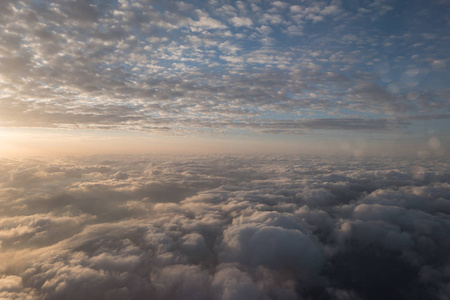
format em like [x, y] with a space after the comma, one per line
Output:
[225, 227]
[241, 21]
[231, 283]
[273, 247]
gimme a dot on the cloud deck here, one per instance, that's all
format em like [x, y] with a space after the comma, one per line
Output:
[225, 227]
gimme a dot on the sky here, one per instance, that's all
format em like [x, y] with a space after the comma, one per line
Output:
[224, 150]
[356, 77]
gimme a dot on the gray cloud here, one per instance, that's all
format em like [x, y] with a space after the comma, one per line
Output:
[225, 227]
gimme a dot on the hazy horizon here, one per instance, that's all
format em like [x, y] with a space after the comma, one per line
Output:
[61, 143]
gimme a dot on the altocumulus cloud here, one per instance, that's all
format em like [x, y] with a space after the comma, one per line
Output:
[225, 227]
[225, 66]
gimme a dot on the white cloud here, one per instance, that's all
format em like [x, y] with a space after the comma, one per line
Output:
[296, 8]
[330, 10]
[241, 22]
[207, 22]
[224, 227]
[134, 66]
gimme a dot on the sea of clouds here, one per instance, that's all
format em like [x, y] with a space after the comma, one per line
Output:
[225, 227]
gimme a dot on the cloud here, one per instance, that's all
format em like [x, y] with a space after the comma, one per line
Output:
[231, 283]
[225, 227]
[206, 22]
[241, 21]
[192, 68]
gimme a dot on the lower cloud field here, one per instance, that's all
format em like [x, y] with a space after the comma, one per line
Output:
[225, 227]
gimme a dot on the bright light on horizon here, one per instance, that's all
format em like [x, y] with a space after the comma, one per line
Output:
[39, 142]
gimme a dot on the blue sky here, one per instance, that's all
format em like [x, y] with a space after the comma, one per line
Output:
[265, 70]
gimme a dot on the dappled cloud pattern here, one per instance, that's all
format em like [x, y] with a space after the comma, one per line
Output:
[225, 227]
[224, 66]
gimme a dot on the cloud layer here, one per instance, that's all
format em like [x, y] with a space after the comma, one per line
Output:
[225, 227]
[258, 66]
